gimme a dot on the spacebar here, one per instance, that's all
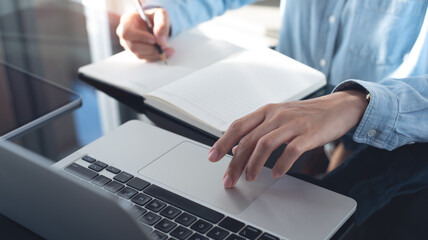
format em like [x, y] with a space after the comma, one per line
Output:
[185, 204]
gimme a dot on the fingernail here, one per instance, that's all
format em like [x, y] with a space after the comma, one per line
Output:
[212, 155]
[227, 182]
[275, 174]
[168, 53]
[234, 150]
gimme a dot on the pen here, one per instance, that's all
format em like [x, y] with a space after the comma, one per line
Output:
[150, 27]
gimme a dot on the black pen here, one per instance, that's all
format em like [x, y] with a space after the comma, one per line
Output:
[150, 27]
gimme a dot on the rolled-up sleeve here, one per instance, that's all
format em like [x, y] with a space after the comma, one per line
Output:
[185, 14]
[397, 113]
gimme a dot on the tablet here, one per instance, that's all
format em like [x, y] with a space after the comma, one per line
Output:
[27, 101]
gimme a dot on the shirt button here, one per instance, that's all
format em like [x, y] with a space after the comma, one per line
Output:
[371, 133]
[332, 19]
[323, 62]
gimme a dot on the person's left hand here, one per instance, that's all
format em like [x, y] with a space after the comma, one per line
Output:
[302, 125]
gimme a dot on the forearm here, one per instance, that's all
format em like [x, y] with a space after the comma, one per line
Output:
[187, 14]
[397, 113]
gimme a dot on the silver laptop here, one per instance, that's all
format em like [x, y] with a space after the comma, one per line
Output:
[141, 180]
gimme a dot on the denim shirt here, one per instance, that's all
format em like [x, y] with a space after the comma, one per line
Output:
[357, 44]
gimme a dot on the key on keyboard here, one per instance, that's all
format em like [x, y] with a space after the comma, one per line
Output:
[127, 193]
[137, 211]
[80, 171]
[89, 159]
[185, 219]
[201, 226]
[217, 233]
[267, 236]
[158, 235]
[231, 224]
[150, 218]
[170, 212]
[155, 205]
[123, 177]
[113, 170]
[250, 232]
[235, 237]
[101, 180]
[101, 164]
[95, 167]
[113, 186]
[138, 183]
[141, 199]
[197, 236]
[165, 225]
[181, 233]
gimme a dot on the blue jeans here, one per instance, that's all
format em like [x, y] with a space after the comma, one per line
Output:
[373, 177]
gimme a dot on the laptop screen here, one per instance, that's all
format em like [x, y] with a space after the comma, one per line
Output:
[26, 101]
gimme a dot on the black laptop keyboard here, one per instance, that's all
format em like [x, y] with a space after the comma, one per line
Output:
[165, 214]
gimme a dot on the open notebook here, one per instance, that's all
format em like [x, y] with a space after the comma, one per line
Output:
[209, 83]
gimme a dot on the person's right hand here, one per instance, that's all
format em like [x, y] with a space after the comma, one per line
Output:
[302, 125]
[135, 36]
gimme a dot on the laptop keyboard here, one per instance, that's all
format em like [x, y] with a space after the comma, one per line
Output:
[165, 214]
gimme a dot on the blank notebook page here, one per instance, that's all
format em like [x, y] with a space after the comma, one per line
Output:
[239, 85]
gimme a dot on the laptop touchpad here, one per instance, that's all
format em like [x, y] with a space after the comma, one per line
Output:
[187, 169]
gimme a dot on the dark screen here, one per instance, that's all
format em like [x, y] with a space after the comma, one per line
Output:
[24, 98]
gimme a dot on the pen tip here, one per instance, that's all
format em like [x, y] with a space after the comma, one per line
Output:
[163, 58]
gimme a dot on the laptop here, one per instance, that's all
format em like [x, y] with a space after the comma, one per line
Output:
[140, 181]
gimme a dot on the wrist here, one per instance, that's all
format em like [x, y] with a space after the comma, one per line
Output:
[358, 101]
[348, 105]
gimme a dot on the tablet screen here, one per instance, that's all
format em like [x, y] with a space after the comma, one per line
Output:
[27, 101]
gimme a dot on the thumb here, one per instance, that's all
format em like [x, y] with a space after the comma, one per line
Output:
[161, 26]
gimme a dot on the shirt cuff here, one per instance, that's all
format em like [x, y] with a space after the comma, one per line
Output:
[377, 124]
